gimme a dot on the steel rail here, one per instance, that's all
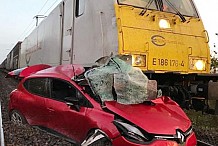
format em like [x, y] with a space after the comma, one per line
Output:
[1, 126]
[201, 143]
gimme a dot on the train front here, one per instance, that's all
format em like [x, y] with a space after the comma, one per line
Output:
[162, 36]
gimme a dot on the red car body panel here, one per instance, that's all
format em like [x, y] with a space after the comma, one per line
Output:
[15, 73]
[158, 116]
[75, 126]
[162, 118]
[35, 114]
[32, 69]
[62, 70]
[191, 140]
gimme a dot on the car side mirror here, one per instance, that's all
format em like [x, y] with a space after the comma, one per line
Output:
[72, 103]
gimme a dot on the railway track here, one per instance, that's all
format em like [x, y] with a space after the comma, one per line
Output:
[201, 143]
[2, 140]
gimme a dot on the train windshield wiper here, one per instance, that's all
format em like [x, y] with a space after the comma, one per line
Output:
[176, 10]
[146, 7]
[159, 4]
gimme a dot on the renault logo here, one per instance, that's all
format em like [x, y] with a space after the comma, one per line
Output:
[180, 136]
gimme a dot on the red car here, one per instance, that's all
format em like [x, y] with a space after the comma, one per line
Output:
[51, 99]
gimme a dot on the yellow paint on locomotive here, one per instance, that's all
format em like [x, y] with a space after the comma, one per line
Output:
[181, 48]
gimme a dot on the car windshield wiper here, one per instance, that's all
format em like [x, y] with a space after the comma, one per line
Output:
[176, 10]
[146, 7]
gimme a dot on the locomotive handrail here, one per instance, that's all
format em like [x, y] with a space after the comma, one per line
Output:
[207, 36]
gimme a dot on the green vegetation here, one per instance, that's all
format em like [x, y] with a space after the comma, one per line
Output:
[214, 62]
[205, 126]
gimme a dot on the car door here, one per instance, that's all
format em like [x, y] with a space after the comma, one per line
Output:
[63, 118]
[33, 101]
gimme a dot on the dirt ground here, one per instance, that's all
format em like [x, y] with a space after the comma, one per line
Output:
[205, 126]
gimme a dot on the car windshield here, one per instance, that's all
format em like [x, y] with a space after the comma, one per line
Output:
[117, 80]
[185, 7]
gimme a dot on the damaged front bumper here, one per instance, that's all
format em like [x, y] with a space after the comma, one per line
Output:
[190, 141]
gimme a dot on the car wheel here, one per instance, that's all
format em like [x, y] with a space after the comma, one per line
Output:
[17, 118]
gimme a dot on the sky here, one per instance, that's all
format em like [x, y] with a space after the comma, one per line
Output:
[16, 20]
[208, 10]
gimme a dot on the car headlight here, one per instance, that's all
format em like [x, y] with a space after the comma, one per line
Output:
[197, 64]
[132, 133]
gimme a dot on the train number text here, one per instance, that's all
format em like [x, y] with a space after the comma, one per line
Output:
[167, 62]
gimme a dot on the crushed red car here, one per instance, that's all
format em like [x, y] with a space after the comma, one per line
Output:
[64, 100]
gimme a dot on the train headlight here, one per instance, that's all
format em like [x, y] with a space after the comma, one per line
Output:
[134, 60]
[126, 58]
[164, 24]
[138, 60]
[200, 65]
[197, 64]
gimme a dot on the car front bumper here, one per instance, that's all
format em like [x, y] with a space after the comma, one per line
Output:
[190, 141]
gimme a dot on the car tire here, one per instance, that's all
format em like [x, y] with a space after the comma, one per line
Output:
[17, 118]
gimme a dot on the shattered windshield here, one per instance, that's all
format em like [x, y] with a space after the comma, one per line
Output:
[185, 7]
[117, 80]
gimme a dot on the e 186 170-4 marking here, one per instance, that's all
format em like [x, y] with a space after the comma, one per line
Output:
[167, 62]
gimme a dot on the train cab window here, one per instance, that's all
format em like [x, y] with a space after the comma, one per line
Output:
[185, 7]
[37, 86]
[139, 3]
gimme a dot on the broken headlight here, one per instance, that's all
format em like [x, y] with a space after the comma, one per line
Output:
[132, 133]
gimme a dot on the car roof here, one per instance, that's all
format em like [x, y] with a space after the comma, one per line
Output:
[32, 69]
[61, 71]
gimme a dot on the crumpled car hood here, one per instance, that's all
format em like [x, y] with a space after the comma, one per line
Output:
[164, 117]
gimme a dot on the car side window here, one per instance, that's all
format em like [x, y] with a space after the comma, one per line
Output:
[37, 86]
[61, 89]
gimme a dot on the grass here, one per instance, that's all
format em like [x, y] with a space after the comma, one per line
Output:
[205, 126]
